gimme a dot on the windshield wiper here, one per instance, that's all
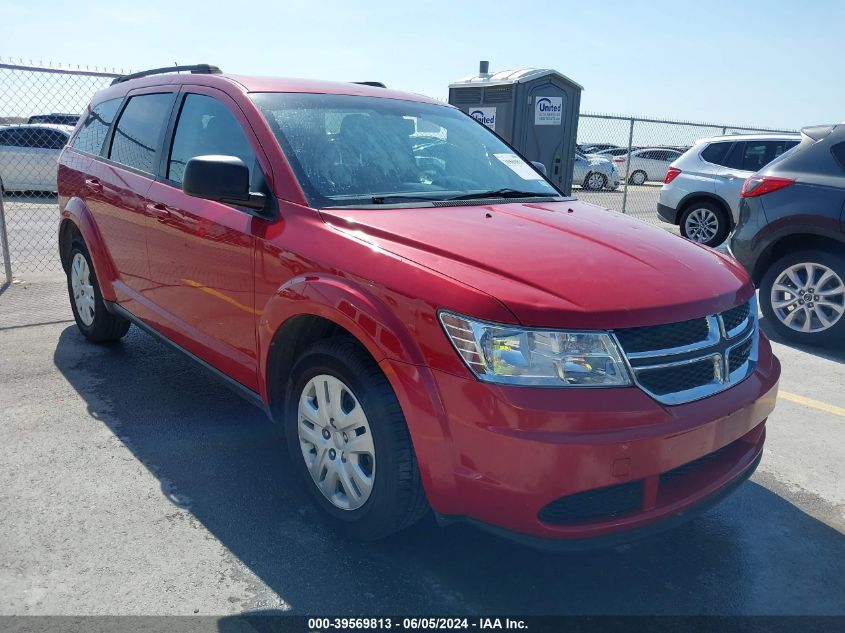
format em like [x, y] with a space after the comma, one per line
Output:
[385, 199]
[504, 193]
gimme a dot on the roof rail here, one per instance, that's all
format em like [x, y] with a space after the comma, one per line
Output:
[374, 84]
[201, 69]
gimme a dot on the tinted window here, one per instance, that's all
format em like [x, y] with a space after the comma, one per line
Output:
[754, 155]
[206, 127]
[93, 133]
[139, 129]
[34, 137]
[650, 155]
[716, 152]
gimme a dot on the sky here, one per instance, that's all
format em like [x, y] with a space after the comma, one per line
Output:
[775, 65]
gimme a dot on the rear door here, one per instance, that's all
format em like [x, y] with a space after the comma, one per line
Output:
[117, 186]
[201, 251]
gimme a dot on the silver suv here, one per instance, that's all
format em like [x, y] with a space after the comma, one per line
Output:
[701, 192]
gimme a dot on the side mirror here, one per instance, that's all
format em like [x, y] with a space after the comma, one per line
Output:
[221, 178]
[540, 167]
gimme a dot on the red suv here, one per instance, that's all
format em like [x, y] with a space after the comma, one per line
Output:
[433, 323]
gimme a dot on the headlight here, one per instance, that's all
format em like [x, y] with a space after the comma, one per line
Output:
[518, 356]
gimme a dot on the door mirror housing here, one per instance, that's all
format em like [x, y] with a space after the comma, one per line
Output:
[223, 179]
[540, 167]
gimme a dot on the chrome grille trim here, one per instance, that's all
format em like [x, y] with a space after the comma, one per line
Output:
[716, 347]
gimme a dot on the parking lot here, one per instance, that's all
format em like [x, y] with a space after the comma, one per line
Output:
[137, 484]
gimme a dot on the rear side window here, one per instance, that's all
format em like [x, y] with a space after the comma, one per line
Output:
[96, 127]
[33, 138]
[139, 129]
[716, 153]
[206, 126]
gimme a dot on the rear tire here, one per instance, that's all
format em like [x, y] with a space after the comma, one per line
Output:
[790, 294]
[705, 223]
[92, 317]
[637, 178]
[366, 499]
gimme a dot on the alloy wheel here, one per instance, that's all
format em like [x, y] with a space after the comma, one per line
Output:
[336, 442]
[808, 297]
[595, 181]
[702, 225]
[83, 289]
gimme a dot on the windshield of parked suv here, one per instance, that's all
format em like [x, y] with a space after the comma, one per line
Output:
[351, 151]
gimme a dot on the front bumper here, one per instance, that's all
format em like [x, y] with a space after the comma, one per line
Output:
[501, 456]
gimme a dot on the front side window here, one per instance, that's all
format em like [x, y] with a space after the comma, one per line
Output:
[348, 150]
[93, 133]
[139, 129]
[205, 127]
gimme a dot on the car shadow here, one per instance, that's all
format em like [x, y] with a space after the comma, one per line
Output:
[827, 352]
[223, 461]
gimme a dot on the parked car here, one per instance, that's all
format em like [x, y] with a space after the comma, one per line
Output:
[701, 189]
[609, 152]
[28, 155]
[645, 164]
[594, 148]
[790, 237]
[55, 118]
[434, 327]
[594, 173]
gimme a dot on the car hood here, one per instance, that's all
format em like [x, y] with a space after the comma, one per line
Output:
[558, 264]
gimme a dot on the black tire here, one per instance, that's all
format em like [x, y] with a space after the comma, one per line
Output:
[638, 178]
[106, 327]
[833, 261]
[595, 187]
[722, 228]
[397, 500]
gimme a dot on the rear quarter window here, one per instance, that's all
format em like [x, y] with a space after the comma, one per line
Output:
[716, 152]
[93, 133]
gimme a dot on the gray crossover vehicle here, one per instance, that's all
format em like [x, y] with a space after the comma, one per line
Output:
[701, 191]
[790, 237]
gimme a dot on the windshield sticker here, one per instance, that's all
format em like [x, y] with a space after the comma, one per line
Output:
[519, 166]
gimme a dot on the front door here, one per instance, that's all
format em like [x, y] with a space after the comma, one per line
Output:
[201, 252]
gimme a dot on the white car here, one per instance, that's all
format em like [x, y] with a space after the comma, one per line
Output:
[701, 194]
[28, 155]
[649, 164]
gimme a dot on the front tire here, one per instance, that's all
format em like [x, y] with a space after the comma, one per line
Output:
[92, 317]
[705, 223]
[595, 181]
[802, 296]
[349, 442]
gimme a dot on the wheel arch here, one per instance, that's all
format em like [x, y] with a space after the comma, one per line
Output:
[77, 221]
[806, 239]
[704, 196]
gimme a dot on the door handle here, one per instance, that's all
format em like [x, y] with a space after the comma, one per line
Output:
[158, 210]
[92, 184]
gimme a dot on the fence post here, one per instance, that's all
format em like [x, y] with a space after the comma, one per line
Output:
[627, 168]
[4, 242]
[724, 131]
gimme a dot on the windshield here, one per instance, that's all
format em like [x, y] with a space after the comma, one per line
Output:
[352, 151]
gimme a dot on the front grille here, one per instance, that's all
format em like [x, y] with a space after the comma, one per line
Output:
[680, 362]
[677, 378]
[735, 317]
[643, 339]
[601, 503]
[739, 354]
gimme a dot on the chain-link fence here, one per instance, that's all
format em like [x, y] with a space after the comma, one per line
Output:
[626, 158]
[623, 161]
[38, 109]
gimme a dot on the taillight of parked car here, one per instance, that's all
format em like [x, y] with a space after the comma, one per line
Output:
[760, 185]
[618, 160]
[671, 175]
